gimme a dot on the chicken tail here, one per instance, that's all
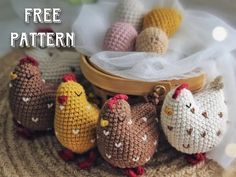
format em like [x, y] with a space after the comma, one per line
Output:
[217, 83]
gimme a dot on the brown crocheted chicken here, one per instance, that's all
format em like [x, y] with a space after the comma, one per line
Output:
[127, 136]
[31, 99]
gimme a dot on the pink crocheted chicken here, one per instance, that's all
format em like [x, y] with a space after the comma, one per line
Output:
[195, 124]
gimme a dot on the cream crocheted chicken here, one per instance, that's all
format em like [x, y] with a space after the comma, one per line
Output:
[75, 120]
[195, 124]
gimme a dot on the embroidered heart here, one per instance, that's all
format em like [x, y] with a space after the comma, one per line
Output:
[76, 131]
[130, 122]
[89, 107]
[155, 143]
[157, 120]
[106, 133]
[189, 131]
[43, 81]
[92, 140]
[144, 119]
[25, 99]
[35, 119]
[220, 114]
[118, 145]
[170, 128]
[147, 159]
[61, 107]
[108, 156]
[204, 114]
[135, 159]
[50, 105]
[144, 138]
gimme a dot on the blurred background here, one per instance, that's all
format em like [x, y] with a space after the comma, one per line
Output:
[12, 14]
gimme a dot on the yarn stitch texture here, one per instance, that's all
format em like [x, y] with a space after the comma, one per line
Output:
[194, 123]
[127, 136]
[152, 40]
[75, 118]
[167, 19]
[131, 11]
[55, 63]
[31, 100]
[120, 37]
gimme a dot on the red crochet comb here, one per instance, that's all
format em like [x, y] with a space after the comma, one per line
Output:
[28, 59]
[69, 77]
[114, 100]
[179, 89]
[44, 30]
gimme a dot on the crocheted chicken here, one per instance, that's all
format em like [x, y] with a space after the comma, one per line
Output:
[31, 99]
[195, 124]
[127, 135]
[75, 120]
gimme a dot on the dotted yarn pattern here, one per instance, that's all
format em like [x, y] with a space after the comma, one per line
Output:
[131, 11]
[130, 138]
[152, 40]
[55, 63]
[120, 37]
[194, 123]
[76, 119]
[31, 100]
[167, 19]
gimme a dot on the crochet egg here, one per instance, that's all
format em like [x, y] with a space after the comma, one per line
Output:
[196, 123]
[127, 135]
[120, 37]
[75, 118]
[152, 40]
[31, 99]
[168, 19]
[131, 11]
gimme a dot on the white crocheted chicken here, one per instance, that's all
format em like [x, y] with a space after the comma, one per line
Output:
[195, 124]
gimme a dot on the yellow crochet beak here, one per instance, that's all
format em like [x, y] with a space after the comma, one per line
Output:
[104, 123]
[168, 111]
[13, 76]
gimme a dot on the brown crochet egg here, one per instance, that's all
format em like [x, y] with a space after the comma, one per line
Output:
[168, 19]
[32, 101]
[127, 134]
[152, 40]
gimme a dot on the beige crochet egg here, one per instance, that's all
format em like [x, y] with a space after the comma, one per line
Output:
[152, 40]
[131, 11]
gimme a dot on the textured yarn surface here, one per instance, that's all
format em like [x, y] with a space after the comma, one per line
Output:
[131, 11]
[120, 37]
[75, 119]
[167, 19]
[55, 63]
[38, 158]
[194, 123]
[152, 40]
[127, 136]
[31, 99]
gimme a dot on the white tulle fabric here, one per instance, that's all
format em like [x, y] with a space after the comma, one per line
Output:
[194, 46]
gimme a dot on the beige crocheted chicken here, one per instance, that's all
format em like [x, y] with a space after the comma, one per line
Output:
[195, 124]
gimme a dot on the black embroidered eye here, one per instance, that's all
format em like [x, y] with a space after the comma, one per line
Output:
[29, 77]
[78, 94]
[189, 105]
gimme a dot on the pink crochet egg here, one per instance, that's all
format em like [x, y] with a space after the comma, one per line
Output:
[120, 37]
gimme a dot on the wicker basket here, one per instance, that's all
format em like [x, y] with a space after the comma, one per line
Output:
[106, 85]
